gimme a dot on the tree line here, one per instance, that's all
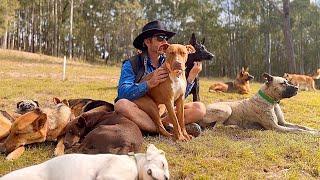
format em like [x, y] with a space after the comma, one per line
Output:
[274, 36]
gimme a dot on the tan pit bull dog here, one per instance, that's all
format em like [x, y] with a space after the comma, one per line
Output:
[171, 92]
[261, 111]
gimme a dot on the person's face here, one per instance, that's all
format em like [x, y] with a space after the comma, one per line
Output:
[153, 43]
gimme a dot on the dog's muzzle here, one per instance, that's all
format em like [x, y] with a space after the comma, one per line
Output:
[290, 91]
[250, 77]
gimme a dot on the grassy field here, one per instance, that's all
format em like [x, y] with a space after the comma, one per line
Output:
[219, 153]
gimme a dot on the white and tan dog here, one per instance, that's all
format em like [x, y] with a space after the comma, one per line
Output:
[149, 166]
[260, 111]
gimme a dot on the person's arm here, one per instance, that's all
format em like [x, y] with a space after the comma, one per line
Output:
[127, 88]
[188, 89]
[196, 69]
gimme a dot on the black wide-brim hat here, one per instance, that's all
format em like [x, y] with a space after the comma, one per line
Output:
[150, 29]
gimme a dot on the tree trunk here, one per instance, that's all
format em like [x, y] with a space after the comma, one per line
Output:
[71, 26]
[32, 29]
[288, 36]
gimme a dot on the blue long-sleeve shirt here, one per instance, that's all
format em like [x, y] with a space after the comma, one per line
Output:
[129, 89]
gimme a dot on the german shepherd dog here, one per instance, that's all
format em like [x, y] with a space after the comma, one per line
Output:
[240, 85]
[201, 54]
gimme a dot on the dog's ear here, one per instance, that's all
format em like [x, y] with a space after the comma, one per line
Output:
[268, 77]
[39, 123]
[36, 103]
[247, 69]
[203, 40]
[193, 39]
[56, 100]
[162, 49]
[19, 104]
[190, 49]
[66, 102]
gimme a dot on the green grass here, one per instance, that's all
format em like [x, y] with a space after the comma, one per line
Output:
[219, 153]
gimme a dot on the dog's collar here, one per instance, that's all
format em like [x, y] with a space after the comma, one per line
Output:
[267, 98]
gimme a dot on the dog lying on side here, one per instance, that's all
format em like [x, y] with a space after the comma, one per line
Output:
[37, 126]
[200, 54]
[240, 85]
[260, 111]
[79, 106]
[6, 119]
[304, 82]
[145, 166]
[103, 132]
[170, 92]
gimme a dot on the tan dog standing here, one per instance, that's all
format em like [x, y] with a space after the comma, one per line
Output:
[37, 126]
[240, 85]
[304, 82]
[171, 92]
[260, 111]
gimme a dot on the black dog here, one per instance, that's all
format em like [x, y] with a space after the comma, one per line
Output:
[201, 54]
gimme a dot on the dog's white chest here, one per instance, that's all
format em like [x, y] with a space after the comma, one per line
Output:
[178, 85]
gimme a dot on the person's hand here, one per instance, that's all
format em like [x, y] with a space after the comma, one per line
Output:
[196, 69]
[159, 75]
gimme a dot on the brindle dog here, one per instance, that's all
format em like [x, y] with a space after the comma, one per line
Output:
[201, 54]
[260, 111]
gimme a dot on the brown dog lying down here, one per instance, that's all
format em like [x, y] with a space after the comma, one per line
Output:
[103, 132]
[304, 82]
[170, 92]
[79, 106]
[240, 85]
[37, 126]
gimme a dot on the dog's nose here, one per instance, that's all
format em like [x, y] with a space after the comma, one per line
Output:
[166, 178]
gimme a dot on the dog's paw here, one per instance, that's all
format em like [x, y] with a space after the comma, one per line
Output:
[15, 154]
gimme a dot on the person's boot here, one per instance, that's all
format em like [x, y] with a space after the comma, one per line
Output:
[193, 129]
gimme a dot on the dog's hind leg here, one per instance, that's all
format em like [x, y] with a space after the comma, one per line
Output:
[146, 104]
[216, 112]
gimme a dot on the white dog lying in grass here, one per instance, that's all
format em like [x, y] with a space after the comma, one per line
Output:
[151, 165]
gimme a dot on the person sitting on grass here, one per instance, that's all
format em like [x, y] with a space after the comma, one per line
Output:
[130, 88]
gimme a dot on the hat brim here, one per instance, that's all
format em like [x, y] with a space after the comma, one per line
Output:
[138, 41]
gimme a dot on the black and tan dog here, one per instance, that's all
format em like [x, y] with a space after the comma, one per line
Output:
[79, 106]
[240, 85]
[103, 132]
[200, 54]
[260, 111]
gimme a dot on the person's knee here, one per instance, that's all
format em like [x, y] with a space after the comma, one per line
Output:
[200, 108]
[122, 105]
